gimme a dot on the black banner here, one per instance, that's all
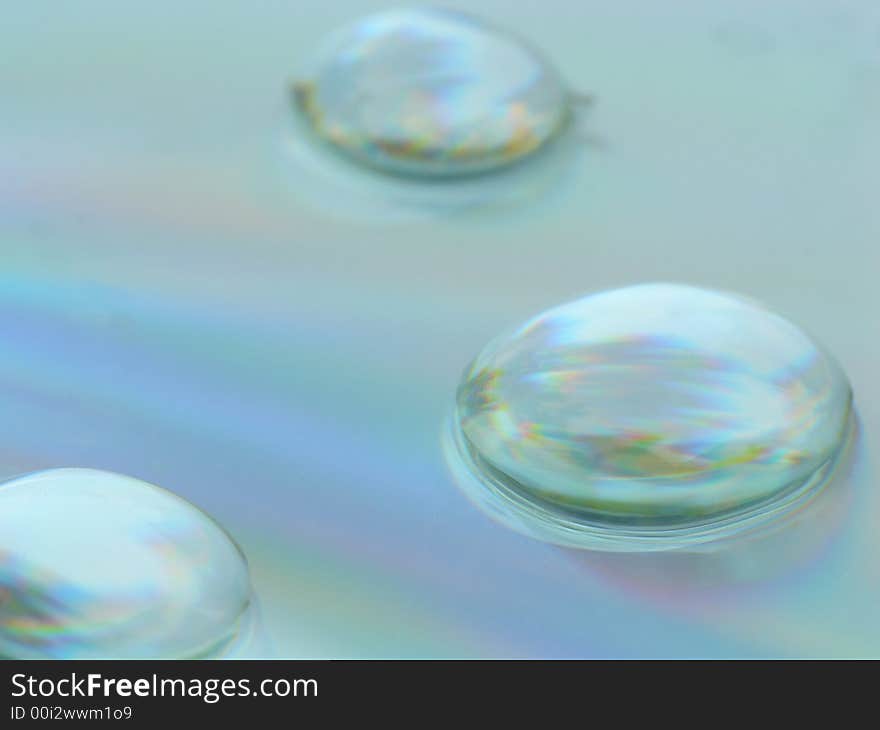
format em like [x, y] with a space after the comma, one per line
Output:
[248, 691]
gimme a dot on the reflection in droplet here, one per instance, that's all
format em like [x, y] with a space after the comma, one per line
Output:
[96, 564]
[649, 417]
[431, 93]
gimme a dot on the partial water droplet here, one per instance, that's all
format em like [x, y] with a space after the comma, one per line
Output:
[433, 93]
[649, 417]
[96, 564]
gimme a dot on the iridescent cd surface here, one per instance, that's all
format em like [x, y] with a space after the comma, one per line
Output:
[433, 93]
[170, 308]
[649, 417]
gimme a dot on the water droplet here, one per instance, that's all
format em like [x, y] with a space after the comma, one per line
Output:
[649, 417]
[431, 93]
[95, 564]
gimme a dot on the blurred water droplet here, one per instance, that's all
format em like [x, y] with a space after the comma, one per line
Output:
[648, 417]
[432, 93]
[96, 564]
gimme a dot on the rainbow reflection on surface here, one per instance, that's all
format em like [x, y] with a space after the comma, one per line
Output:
[171, 309]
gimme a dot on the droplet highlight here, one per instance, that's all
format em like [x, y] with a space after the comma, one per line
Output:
[648, 417]
[96, 564]
[433, 93]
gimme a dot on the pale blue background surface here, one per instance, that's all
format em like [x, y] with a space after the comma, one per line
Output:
[182, 301]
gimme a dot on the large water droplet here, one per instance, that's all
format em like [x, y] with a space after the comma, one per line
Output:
[95, 564]
[431, 92]
[648, 417]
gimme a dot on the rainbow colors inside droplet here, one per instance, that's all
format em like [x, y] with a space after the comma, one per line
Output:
[96, 564]
[432, 93]
[648, 417]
